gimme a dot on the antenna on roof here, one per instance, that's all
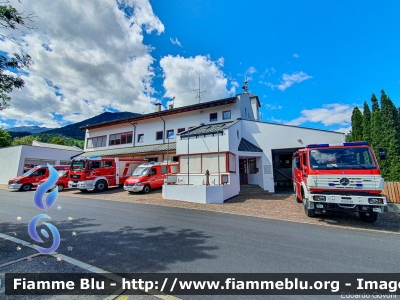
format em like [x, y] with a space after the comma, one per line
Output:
[198, 96]
[245, 87]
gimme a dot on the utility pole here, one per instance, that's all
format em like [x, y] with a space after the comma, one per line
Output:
[199, 93]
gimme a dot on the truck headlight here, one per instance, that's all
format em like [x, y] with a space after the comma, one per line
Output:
[319, 198]
[16, 181]
[375, 201]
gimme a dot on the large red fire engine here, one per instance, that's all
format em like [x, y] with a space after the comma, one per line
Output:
[98, 173]
[345, 177]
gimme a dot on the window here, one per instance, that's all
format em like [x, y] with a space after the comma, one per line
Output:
[153, 171]
[95, 165]
[232, 163]
[39, 172]
[159, 135]
[213, 117]
[99, 141]
[108, 164]
[226, 115]
[140, 137]
[181, 130]
[170, 134]
[163, 169]
[252, 166]
[120, 138]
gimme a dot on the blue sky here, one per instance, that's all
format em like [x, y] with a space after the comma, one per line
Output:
[309, 62]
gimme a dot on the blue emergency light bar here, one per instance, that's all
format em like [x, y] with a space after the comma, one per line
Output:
[350, 144]
[355, 144]
[317, 145]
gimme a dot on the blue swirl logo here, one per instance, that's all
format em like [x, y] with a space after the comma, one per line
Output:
[45, 205]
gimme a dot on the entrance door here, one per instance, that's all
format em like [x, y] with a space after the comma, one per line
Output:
[243, 171]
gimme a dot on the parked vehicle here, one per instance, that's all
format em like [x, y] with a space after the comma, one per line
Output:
[337, 178]
[62, 182]
[32, 178]
[98, 173]
[149, 176]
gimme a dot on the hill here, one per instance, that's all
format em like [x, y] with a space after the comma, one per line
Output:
[73, 131]
[30, 129]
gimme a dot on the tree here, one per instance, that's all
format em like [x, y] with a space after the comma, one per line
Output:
[10, 18]
[26, 140]
[57, 140]
[366, 123]
[356, 125]
[5, 138]
[375, 122]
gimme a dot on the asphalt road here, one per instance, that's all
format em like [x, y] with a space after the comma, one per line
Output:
[124, 237]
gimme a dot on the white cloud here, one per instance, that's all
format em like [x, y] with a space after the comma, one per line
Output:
[251, 70]
[175, 42]
[221, 61]
[181, 76]
[345, 130]
[288, 80]
[87, 56]
[296, 55]
[328, 115]
[273, 107]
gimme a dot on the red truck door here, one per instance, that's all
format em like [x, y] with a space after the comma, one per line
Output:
[38, 175]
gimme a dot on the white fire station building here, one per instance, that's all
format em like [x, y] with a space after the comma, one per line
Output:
[225, 137]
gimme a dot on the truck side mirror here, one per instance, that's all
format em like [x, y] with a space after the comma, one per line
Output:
[382, 153]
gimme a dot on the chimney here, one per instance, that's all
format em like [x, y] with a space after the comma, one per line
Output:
[171, 106]
[158, 107]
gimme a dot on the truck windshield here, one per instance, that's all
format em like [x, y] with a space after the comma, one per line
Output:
[78, 165]
[342, 158]
[29, 172]
[140, 171]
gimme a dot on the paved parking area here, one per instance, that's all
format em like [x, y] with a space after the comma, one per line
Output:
[262, 205]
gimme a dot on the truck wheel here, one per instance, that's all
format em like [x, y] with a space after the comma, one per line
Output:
[100, 186]
[146, 189]
[370, 218]
[60, 187]
[309, 212]
[26, 187]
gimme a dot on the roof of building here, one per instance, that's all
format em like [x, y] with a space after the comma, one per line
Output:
[246, 146]
[164, 112]
[132, 150]
[205, 129]
[55, 146]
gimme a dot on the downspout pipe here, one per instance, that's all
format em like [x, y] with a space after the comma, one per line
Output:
[164, 127]
[134, 133]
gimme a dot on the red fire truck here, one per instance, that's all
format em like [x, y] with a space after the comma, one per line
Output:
[334, 178]
[149, 176]
[98, 173]
[31, 179]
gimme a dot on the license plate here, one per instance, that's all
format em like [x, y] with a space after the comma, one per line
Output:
[377, 209]
[346, 201]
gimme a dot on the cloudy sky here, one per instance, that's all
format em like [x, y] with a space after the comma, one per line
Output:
[310, 63]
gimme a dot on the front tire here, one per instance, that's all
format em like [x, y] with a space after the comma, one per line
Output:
[60, 187]
[370, 218]
[100, 186]
[146, 189]
[308, 211]
[26, 187]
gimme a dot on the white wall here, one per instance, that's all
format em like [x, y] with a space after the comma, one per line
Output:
[151, 126]
[274, 136]
[9, 163]
[12, 159]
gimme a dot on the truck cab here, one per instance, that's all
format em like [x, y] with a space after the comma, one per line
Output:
[339, 177]
[149, 176]
[32, 178]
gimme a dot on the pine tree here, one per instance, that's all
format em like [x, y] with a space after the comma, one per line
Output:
[390, 138]
[366, 123]
[375, 123]
[356, 125]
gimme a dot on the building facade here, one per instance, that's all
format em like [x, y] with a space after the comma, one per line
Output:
[223, 136]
